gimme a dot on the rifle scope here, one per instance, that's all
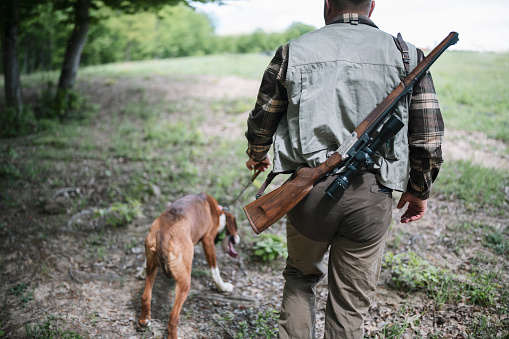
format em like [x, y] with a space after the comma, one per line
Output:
[362, 158]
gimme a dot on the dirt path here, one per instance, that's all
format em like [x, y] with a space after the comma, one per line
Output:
[63, 277]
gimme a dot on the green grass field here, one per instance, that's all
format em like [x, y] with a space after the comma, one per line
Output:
[472, 87]
[473, 92]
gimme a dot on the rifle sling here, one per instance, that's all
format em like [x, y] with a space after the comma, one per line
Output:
[268, 180]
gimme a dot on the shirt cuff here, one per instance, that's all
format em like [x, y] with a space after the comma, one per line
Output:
[255, 157]
[416, 193]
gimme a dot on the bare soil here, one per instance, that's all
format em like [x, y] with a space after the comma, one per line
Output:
[95, 290]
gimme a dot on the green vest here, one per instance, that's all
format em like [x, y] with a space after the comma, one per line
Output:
[336, 76]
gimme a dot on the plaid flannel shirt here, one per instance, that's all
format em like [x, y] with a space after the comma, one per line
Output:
[425, 124]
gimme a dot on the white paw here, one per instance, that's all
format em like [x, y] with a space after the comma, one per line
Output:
[225, 287]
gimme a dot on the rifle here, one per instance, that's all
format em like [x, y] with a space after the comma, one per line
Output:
[354, 153]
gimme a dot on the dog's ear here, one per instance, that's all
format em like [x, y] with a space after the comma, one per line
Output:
[231, 224]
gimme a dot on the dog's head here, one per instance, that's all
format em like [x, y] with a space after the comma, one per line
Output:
[227, 233]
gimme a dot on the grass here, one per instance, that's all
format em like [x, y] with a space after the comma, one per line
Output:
[411, 273]
[475, 185]
[472, 89]
[50, 328]
[249, 66]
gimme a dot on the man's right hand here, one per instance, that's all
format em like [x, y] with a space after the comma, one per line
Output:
[262, 165]
[415, 210]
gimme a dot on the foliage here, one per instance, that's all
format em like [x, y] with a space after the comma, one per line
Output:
[49, 329]
[262, 325]
[410, 272]
[396, 330]
[270, 247]
[496, 240]
[119, 213]
[480, 289]
[7, 169]
[19, 291]
[14, 124]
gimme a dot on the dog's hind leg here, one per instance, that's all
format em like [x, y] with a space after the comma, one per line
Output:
[181, 261]
[210, 254]
[152, 266]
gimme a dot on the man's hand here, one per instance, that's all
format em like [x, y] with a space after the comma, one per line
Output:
[262, 165]
[416, 207]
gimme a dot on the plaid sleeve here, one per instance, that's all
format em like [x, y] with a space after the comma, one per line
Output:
[425, 135]
[271, 105]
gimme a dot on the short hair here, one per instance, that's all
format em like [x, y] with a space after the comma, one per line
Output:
[351, 5]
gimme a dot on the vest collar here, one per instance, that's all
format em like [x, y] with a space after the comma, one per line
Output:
[353, 19]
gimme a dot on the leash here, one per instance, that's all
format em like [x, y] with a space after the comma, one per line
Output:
[257, 171]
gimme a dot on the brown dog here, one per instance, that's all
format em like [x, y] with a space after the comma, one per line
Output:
[170, 244]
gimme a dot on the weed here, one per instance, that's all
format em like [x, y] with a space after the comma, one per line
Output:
[49, 329]
[14, 124]
[481, 288]
[482, 327]
[68, 104]
[19, 291]
[7, 169]
[265, 324]
[243, 331]
[270, 247]
[410, 272]
[496, 241]
[261, 325]
[101, 253]
[396, 330]
[119, 213]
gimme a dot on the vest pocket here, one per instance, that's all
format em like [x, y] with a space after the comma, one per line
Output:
[319, 127]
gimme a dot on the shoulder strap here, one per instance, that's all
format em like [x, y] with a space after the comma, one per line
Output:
[403, 48]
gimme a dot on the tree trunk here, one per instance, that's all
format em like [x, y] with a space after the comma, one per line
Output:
[10, 19]
[73, 51]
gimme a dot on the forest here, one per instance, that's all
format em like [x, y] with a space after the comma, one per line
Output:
[61, 35]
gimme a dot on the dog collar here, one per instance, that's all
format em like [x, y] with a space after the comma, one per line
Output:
[221, 209]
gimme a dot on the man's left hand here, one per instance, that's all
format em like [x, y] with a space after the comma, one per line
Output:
[416, 207]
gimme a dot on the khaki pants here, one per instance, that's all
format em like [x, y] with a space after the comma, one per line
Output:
[353, 272]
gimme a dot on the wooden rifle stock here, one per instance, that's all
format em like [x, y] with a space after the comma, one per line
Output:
[271, 207]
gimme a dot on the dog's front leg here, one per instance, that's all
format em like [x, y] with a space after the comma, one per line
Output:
[210, 254]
